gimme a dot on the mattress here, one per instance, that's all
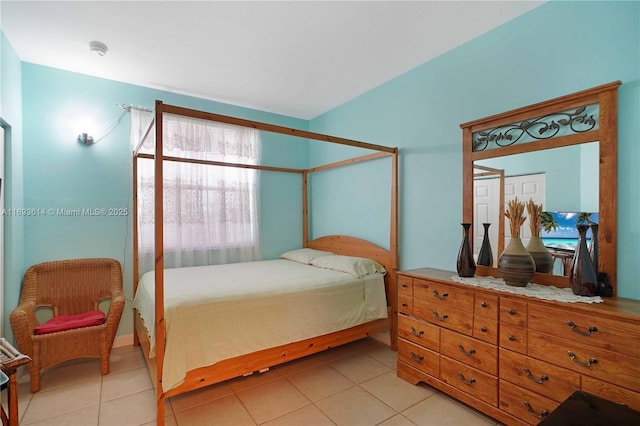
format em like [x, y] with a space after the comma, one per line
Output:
[217, 312]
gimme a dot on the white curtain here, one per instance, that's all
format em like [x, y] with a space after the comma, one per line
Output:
[210, 212]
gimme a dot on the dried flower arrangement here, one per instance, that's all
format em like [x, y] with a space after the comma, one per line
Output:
[535, 217]
[514, 213]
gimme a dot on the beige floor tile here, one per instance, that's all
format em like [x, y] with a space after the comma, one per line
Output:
[355, 406]
[168, 421]
[441, 410]
[70, 373]
[272, 400]
[359, 368]
[120, 361]
[395, 392]
[226, 411]
[136, 409]
[56, 402]
[84, 416]
[201, 396]
[320, 382]
[117, 385]
[309, 415]
[385, 355]
[397, 420]
[302, 364]
[256, 379]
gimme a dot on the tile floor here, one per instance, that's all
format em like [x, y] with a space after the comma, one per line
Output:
[355, 384]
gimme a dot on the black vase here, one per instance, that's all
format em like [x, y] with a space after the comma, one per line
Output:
[593, 247]
[485, 257]
[584, 280]
[466, 264]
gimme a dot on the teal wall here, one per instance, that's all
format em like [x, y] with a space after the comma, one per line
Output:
[556, 49]
[548, 52]
[63, 174]
[12, 185]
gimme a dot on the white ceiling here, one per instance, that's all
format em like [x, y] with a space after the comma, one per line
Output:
[298, 58]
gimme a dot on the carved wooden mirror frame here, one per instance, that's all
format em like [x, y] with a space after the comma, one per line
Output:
[494, 136]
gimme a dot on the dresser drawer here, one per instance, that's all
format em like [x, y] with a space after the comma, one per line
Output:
[418, 357]
[405, 304]
[420, 332]
[443, 316]
[444, 295]
[524, 404]
[470, 380]
[513, 338]
[538, 376]
[513, 312]
[469, 351]
[587, 360]
[486, 306]
[405, 286]
[611, 392]
[593, 330]
[485, 329]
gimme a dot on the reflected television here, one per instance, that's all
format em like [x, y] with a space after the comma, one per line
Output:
[564, 235]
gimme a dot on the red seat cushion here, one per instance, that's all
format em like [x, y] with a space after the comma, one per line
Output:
[68, 322]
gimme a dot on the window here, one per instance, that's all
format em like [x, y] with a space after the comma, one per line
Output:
[210, 211]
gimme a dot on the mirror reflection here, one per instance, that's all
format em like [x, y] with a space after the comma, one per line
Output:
[564, 180]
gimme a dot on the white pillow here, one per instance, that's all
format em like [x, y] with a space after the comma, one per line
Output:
[356, 266]
[304, 255]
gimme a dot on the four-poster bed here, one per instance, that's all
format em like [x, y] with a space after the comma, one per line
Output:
[340, 245]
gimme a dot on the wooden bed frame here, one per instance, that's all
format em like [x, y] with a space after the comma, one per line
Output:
[340, 244]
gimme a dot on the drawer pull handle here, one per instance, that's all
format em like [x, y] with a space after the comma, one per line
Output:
[582, 333]
[404, 285]
[440, 318]
[416, 333]
[588, 364]
[542, 414]
[512, 338]
[471, 351]
[533, 379]
[435, 293]
[484, 304]
[483, 329]
[466, 382]
[416, 357]
[404, 304]
[512, 311]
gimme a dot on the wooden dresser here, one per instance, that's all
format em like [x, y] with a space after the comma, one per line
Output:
[515, 358]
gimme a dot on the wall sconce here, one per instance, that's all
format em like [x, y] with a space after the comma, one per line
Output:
[85, 139]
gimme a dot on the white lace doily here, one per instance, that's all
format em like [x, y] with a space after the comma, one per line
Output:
[546, 292]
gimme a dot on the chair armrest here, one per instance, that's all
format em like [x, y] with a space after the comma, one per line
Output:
[114, 314]
[23, 321]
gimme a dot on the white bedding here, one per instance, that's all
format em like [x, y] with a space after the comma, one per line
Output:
[218, 312]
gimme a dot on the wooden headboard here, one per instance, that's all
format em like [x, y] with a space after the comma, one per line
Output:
[352, 246]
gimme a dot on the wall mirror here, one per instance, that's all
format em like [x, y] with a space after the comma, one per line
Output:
[561, 153]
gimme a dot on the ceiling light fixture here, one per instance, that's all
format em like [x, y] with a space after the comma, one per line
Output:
[98, 47]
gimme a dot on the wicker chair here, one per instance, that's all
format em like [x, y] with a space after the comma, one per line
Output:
[68, 287]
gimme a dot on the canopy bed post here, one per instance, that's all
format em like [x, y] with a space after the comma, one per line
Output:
[136, 259]
[159, 262]
[305, 208]
[393, 249]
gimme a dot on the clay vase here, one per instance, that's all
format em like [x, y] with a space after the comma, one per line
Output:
[583, 277]
[541, 256]
[485, 256]
[515, 265]
[466, 264]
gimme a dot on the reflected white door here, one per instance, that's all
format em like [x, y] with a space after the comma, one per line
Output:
[486, 202]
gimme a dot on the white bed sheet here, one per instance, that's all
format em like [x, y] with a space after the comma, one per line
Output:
[218, 312]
